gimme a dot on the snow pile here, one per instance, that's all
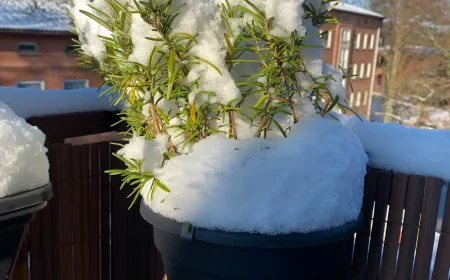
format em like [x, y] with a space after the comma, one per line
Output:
[439, 118]
[53, 102]
[23, 161]
[310, 181]
[404, 149]
[45, 15]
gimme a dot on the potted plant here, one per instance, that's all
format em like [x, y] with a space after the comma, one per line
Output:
[244, 171]
[24, 187]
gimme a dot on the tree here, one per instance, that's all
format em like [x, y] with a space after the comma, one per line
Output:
[413, 53]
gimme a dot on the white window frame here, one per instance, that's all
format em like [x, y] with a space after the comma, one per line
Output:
[361, 71]
[358, 99]
[372, 41]
[366, 97]
[352, 97]
[355, 71]
[327, 44]
[86, 82]
[369, 70]
[41, 83]
[365, 41]
[358, 41]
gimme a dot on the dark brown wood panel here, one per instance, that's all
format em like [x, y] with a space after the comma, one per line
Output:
[394, 223]
[59, 127]
[362, 237]
[427, 231]
[413, 208]
[105, 211]
[442, 262]
[382, 195]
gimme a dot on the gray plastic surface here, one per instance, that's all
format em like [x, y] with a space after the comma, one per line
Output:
[22, 212]
[292, 240]
[25, 200]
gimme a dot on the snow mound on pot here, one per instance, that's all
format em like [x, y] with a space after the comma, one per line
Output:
[311, 181]
[23, 161]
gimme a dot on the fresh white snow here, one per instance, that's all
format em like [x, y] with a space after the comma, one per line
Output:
[46, 15]
[345, 7]
[27, 102]
[310, 181]
[403, 149]
[23, 160]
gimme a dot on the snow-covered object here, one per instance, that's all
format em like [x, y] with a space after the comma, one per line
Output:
[403, 149]
[27, 102]
[23, 161]
[349, 8]
[439, 118]
[310, 181]
[48, 15]
[152, 151]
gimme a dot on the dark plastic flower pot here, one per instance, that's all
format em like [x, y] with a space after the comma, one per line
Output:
[200, 254]
[16, 212]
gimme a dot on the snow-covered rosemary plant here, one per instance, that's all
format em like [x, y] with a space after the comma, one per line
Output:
[190, 69]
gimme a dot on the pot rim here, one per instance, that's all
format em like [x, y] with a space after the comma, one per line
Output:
[255, 240]
[25, 200]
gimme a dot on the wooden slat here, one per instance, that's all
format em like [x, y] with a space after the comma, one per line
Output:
[428, 220]
[55, 152]
[20, 268]
[105, 211]
[85, 216]
[67, 209]
[94, 210]
[362, 237]
[349, 256]
[442, 262]
[383, 192]
[118, 223]
[392, 240]
[414, 197]
[36, 261]
[77, 204]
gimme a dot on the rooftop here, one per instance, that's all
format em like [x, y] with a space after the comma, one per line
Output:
[34, 15]
[344, 7]
[50, 15]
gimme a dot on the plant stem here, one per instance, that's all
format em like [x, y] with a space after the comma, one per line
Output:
[232, 124]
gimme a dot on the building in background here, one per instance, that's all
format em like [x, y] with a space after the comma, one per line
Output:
[36, 48]
[354, 44]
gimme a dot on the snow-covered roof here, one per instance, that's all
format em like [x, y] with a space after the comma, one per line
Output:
[344, 7]
[32, 15]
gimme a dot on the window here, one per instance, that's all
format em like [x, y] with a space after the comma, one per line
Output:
[361, 71]
[365, 41]
[358, 99]
[366, 97]
[358, 41]
[352, 96]
[30, 84]
[75, 84]
[372, 41]
[326, 38]
[355, 71]
[369, 69]
[379, 80]
[26, 48]
[71, 50]
[344, 52]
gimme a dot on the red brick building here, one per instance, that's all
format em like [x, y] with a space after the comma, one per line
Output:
[354, 43]
[36, 48]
